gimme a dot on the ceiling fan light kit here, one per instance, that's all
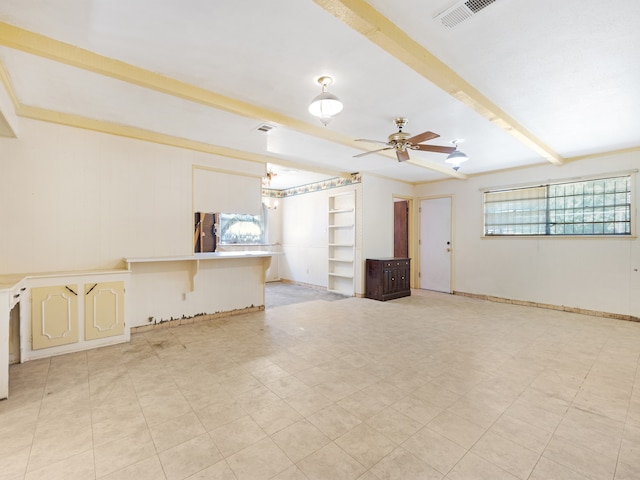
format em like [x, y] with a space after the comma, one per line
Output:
[456, 157]
[326, 105]
[402, 142]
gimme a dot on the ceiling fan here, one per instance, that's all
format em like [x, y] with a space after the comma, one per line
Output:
[402, 142]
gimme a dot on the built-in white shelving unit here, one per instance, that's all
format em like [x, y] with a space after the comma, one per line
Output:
[342, 243]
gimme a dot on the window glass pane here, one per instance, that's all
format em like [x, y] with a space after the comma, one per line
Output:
[588, 200]
[593, 207]
[242, 229]
[620, 227]
[610, 186]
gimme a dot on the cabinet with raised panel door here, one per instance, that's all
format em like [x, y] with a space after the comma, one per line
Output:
[388, 278]
[57, 317]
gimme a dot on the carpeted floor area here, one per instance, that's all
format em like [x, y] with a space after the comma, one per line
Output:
[282, 293]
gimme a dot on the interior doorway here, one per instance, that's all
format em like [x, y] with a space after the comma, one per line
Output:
[400, 228]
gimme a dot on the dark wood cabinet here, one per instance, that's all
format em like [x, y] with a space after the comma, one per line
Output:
[388, 278]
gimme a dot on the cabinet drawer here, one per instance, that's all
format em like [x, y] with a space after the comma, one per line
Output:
[395, 263]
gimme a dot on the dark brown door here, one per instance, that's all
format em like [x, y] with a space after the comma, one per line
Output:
[401, 229]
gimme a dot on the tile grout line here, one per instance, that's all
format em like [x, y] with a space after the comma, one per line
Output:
[35, 426]
[626, 417]
[568, 407]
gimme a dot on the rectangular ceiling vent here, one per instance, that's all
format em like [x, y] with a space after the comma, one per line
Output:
[462, 11]
[265, 128]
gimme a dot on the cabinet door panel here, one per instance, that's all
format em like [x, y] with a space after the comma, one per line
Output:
[103, 310]
[387, 281]
[403, 278]
[54, 316]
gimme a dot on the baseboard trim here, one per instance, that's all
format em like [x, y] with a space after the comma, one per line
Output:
[548, 306]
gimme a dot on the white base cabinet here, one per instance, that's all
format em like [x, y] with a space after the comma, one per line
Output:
[72, 312]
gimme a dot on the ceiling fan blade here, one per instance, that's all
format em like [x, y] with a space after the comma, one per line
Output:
[402, 155]
[434, 148]
[370, 141]
[372, 151]
[422, 137]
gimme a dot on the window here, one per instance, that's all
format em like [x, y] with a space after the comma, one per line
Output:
[242, 229]
[591, 207]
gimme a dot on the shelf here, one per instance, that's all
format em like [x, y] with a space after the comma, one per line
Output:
[343, 210]
[200, 256]
[335, 290]
[340, 275]
[341, 243]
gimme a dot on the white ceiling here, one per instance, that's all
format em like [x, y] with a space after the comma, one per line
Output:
[563, 76]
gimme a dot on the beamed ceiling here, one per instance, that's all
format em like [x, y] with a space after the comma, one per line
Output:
[522, 82]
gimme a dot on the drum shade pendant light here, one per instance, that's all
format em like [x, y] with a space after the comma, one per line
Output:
[456, 157]
[326, 105]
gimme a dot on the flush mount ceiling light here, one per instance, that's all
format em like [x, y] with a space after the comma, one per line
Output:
[456, 157]
[326, 105]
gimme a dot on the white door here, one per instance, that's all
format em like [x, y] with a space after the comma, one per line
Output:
[435, 244]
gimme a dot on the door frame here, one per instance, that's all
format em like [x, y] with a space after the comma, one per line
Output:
[411, 235]
[453, 249]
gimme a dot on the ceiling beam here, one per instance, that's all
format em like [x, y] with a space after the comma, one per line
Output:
[111, 128]
[77, 121]
[5, 128]
[42, 46]
[378, 29]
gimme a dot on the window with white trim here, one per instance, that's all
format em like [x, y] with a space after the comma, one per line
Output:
[590, 207]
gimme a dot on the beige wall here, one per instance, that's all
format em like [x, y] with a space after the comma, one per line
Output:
[378, 217]
[590, 273]
[304, 220]
[73, 199]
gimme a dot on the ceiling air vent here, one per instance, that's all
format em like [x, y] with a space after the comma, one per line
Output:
[265, 128]
[462, 11]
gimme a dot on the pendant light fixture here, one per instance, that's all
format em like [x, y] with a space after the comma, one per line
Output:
[456, 157]
[326, 105]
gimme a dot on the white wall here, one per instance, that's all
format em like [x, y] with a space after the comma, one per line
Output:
[378, 217]
[596, 274]
[304, 235]
[304, 221]
[72, 199]
[304, 238]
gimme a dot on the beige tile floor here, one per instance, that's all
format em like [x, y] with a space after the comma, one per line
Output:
[427, 387]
